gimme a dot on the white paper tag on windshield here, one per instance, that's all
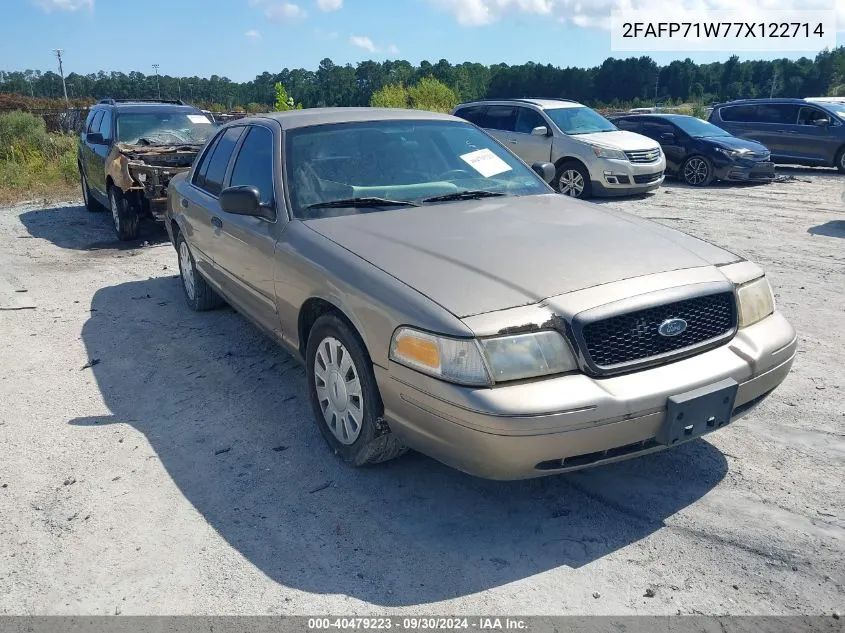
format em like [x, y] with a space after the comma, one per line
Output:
[485, 162]
[198, 118]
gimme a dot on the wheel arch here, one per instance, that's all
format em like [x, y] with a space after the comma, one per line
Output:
[311, 310]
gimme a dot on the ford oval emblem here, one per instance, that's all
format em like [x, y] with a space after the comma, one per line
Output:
[672, 327]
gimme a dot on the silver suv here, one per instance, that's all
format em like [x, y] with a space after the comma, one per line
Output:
[591, 155]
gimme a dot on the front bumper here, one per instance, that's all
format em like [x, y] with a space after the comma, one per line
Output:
[568, 422]
[746, 171]
[611, 177]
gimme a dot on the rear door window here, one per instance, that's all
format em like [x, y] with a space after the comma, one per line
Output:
[501, 117]
[781, 113]
[631, 125]
[653, 128]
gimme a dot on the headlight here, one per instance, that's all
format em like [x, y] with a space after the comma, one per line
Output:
[733, 153]
[756, 301]
[456, 360]
[604, 152]
[472, 361]
[528, 355]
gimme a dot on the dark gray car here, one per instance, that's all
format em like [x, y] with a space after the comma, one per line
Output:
[797, 131]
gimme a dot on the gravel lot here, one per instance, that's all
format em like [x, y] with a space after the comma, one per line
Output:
[182, 473]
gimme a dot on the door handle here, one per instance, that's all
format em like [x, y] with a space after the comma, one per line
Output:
[217, 222]
[514, 141]
[184, 202]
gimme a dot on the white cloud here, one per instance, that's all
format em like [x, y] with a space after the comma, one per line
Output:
[596, 13]
[364, 42]
[393, 49]
[283, 11]
[64, 5]
[323, 34]
[329, 5]
[253, 34]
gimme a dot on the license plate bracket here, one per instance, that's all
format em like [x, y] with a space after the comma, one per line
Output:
[694, 413]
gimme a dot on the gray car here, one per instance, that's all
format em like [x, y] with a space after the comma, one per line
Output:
[796, 131]
[443, 298]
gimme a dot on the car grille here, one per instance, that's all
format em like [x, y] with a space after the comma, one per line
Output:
[632, 337]
[644, 179]
[643, 155]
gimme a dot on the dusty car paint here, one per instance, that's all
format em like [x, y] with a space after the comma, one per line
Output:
[482, 268]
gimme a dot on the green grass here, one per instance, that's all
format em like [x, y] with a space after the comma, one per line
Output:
[33, 163]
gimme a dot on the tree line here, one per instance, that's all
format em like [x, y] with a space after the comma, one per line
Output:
[631, 81]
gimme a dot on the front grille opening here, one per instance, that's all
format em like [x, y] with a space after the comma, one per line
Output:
[644, 179]
[634, 336]
[591, 458]
[643, 155]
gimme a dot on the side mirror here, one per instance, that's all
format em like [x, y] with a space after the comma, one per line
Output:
[546, 171]
[244, 200]
[540, 130]
[667, 137]
[95, 138]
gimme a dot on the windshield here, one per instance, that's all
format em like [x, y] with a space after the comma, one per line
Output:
[163, 128]
[698, 128]
[580, 120]
[835, 107]
[370, 166]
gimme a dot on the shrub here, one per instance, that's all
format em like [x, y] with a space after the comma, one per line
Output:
[395, 96]
[428, 94]
[33, 162]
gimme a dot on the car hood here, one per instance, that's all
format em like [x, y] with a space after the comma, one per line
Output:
[480, 256]
[732, 142]
[620, 139]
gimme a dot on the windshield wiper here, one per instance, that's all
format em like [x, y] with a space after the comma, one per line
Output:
[470, 194]
[362, 202]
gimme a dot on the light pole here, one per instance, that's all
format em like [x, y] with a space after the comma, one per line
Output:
[158, 86]
[58, 53]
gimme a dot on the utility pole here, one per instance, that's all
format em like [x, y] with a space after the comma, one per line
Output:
[58, 52]
[158, 86]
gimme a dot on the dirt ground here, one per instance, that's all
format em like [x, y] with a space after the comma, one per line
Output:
[181, 472]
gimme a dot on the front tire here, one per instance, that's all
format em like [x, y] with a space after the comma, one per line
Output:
[127, 224]
[697, 171]
[199, 295]
[344, 396]
[573, 180]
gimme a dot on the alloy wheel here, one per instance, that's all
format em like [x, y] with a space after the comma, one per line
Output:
[571, 183]
[339, 390]
[695, 171]
[186, 266]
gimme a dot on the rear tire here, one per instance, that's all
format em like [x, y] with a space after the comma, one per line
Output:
[199, 295]
[840, 161]
[127, 224]
[90, 203]
[344, 396]
[572, 179]
[697, 171]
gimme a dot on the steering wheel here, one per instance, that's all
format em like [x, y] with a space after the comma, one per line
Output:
[455, 174]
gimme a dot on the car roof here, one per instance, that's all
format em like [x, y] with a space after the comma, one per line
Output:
[293, 119]
[787, 100]
[544, 103]
[146, 106]
[645, 115]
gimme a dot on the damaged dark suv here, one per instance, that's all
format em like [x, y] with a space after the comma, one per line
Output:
[129, 151]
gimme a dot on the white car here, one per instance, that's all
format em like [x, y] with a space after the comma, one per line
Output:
[590, 154]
